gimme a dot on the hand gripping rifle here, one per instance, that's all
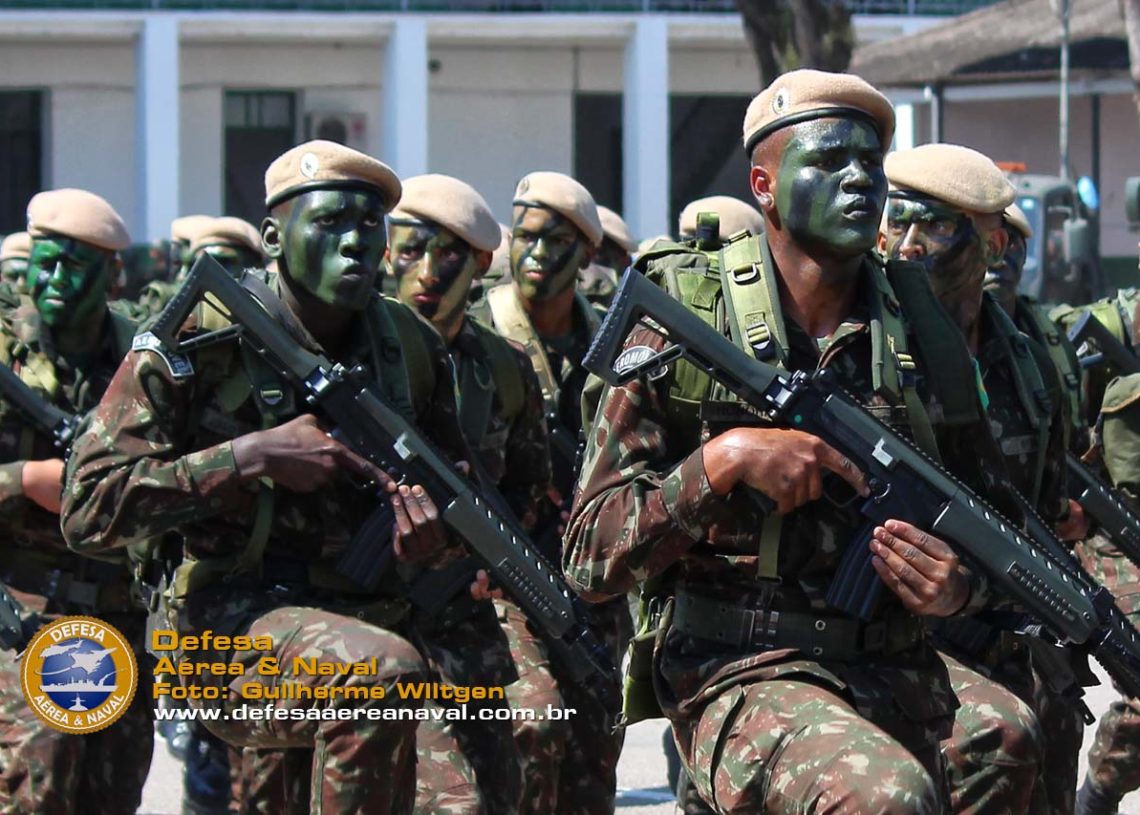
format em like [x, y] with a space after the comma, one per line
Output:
[363, 419]
[1033, 568]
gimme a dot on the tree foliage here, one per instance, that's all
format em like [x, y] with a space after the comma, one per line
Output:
[789, 34]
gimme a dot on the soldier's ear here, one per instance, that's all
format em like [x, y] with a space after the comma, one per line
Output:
[482, 262]
[996, 241]
[271, 238]
[763, 185]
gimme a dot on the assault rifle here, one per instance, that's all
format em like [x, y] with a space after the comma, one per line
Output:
[1033, 568]
[16, 627]
[365, 421]
[43, 415]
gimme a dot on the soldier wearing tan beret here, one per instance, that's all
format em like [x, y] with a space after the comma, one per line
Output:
[555, 233]
[948, 211]
[233, 242]
[440, 239]
[598, 281]
[735, 216]
[780, 720]
[260, 474]
[14, 252]
[182, 232]
[65, 343]
[1003, 278]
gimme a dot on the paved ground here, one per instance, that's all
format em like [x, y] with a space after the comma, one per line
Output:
[641, 774]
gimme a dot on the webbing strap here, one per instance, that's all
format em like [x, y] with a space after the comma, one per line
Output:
[511, 319]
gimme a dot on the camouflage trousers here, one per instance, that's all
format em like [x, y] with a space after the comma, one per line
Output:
[359, 764]
[994, 755]
[46, 772]
[1062, 722]
[541, 741]
[1114, 759]
[588, 777]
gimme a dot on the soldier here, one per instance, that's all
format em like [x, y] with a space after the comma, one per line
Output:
[945, 210]
[734, 214]
[65, 344]
[598, 281]
[440, 239]
[555, 233]
[14, 251]
[499, 272]
[234, 243]
[811, 716]
[265, 500]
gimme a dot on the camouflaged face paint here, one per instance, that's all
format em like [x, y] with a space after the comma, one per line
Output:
[434, 268]
[13, 271]
[332, 243]
[234, 259]
[830, 185]
[547, 251]
[1003, 278]
[943, 239]
[68, 280]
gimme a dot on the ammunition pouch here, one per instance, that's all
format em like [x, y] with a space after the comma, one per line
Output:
[822, 637]
[639, 699]
[81, 587]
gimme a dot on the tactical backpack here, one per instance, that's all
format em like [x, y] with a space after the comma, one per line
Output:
[481, 383]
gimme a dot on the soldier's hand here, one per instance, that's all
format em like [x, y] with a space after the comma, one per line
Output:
[419, 533]
[1076, 526]
[300, 456]
[42, 482]
[920, 568]
[481, 589]
[785, 465]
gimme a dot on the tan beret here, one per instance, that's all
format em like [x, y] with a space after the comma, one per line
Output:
[806, 94]
[1016, 218]
[735, 215]
[564, 195]
[961, 177]
[319, 165]
[77, 214]
[229, 231]
[453, 204]
[15, 246]
[185, 228]
[617, 230]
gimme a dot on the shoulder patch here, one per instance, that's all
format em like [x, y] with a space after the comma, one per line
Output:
[178, 364]
[637, 355]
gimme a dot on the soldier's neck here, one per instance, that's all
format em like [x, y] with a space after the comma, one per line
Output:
[80, 341]
[330, 326]
[965, 307]
[553, 317]
[817, 291]
[450, 327]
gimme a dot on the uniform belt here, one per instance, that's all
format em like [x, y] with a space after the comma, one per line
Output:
[101, 587]
[820, 636]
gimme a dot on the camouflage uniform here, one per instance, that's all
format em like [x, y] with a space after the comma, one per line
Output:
[1033, 446]
[758, 725]
[588, 774]
[513, 450]
[1114, 769]
[158, 456]
[43, 770]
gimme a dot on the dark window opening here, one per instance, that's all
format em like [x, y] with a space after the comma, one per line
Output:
[260, 126]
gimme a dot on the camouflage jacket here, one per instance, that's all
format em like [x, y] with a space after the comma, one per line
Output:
[158, 454]
[1015, 430]
[512, 444]
[34, 559]
[644, 508]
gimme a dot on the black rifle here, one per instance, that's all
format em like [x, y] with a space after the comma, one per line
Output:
[363, 420]
[1034, 569]
[16, 626]
[1096, 345]
[43, 415]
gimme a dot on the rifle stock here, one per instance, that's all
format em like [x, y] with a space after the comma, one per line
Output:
[1032, 568]
[366, 422]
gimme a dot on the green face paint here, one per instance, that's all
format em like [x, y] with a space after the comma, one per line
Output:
[68, 280]
[235, 259]
[547, 251]
[830, 186]
[434, 268]
[332, 243]
[612, 256]
[942, 238]
[13, 271]
[1003, 278]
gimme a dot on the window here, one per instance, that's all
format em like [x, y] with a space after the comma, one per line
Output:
[260, 126]
[21, 155]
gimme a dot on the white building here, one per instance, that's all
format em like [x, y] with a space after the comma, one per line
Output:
[174, 112]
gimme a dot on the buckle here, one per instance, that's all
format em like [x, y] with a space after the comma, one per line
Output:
[744, 274]
[759, 336]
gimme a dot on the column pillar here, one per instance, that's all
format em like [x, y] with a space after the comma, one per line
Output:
[157, 97]
[904, 126]
[645, 128]
[405, 108]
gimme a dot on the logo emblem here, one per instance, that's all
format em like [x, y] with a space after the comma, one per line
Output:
[781, 102]
[523, 186]
[310, 164]
[637, 355]
[79, 674]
